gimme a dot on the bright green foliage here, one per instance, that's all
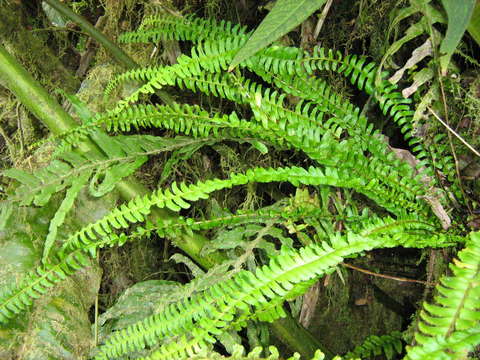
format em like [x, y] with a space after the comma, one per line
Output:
[247, 295]
[333, 134]
[390, 345]
[180, 28]
[474, 25]
[454, 347]
[285, 15]
[453, 318]
[59, 216]
[459, 15]
[125, 155]
[255, 354]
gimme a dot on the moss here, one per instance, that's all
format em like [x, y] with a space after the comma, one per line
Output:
[32, 49]
[361, 305]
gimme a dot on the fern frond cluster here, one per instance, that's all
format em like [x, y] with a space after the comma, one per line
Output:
[332, 133]
[232, 302]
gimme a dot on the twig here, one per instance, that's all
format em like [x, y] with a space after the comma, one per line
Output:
[445, 123]
[322, 18]
[396, 278]
[454, 132]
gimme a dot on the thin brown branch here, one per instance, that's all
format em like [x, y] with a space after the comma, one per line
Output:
[395, 278]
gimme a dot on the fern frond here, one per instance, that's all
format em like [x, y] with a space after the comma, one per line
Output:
[456, 306]
[37, 187]
[238, 299]
[211, 56]
[373, 346]
[181, 118]
[175, 199]
[189, 28]
[344, 114]
[364, 75]
[455, 347]
[59, 217]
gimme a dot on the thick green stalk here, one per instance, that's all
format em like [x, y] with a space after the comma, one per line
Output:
[117, 53]
[33, 95]
[289, 331]
[14, 77]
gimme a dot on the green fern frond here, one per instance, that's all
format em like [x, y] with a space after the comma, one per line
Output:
[255, 354]
[210, 56]
[456, 305]
[365, 76]
[344, 115]
[175, 199]
[59, 217]
[189, 28]
[205, 314]
[37, 187]
[455, 347]
[373, 346]
[185, 119]
[281, 214]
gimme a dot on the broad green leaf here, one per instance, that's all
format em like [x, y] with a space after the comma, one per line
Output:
[62, 211]
[137, 302]
[459, 14]
[474, 26]
[58, 326]
[80, 107]
[285, 16]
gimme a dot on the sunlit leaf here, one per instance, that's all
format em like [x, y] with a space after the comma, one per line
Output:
[286, 15]
[459, 14]
[474, 25]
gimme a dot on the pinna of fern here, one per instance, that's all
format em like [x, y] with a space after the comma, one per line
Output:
[450, 327]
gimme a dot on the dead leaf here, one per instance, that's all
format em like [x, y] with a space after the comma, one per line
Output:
[418, 55]
[433, 198]
[309, 304]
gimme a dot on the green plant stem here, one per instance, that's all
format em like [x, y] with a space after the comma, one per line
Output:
[288, 330]
[117, 53]
[14, 77]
